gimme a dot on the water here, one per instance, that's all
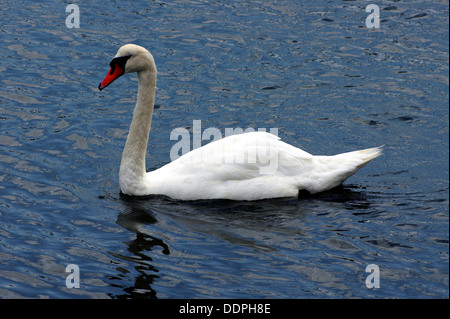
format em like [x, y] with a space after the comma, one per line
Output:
[311, 69]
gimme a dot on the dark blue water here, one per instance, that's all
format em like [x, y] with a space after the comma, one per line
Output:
[312, 69]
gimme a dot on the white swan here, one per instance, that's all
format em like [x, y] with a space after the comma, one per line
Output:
[247, 166]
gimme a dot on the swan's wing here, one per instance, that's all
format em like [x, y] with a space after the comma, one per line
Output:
[243, 156]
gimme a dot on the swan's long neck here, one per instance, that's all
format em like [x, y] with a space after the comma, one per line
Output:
[132, 167]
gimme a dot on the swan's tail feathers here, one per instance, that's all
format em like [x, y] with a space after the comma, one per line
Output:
[349, 163]
[355, 160]
[366, 155]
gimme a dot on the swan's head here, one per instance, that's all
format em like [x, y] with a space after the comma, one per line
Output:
[130, 58]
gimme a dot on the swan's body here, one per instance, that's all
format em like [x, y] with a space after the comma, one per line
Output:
[246, 166]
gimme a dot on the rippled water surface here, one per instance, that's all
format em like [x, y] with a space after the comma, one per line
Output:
[311, 69]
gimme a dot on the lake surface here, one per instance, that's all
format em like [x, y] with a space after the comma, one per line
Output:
[311, 69]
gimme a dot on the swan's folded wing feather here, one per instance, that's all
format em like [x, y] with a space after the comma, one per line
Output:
[244, 156]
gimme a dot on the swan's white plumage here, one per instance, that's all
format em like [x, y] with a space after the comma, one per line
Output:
[246, 166]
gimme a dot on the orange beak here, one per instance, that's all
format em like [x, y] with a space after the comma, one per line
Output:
[115, 72]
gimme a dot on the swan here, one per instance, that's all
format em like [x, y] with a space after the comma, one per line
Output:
[248, 166]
